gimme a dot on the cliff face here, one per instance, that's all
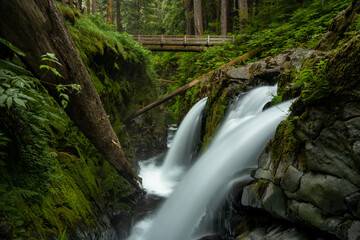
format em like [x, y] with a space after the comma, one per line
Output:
[309, 173]
[307, 185]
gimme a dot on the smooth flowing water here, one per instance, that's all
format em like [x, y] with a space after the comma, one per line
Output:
[161, 179]
[236, 146]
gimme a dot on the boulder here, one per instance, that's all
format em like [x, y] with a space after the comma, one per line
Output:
[291, 179]
[326, 192]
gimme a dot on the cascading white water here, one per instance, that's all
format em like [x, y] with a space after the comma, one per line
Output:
[236, 146]
[161, 180]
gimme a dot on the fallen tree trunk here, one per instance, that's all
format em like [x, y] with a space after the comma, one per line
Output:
[38, 27]
[186, 87]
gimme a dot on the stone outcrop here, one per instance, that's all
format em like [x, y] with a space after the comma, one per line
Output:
[309, 174]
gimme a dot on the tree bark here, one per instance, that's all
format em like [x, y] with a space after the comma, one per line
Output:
[71, 3]
[189, 18]
[63, 2]
[186, 87]
[88, 4]
[118, 16]
[41, 23]
[224, 16]
[198, 19]
[109, 14]
[244, 13]
[93, 7]
[78, 4]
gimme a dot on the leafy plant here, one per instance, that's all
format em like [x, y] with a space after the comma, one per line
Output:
[62, 89]
[313, 80]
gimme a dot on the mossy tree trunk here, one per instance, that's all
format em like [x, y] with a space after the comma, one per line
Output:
[41, 23]
[109, 12]
[118, 16]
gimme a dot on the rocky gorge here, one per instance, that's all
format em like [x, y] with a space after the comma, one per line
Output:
[307, 185]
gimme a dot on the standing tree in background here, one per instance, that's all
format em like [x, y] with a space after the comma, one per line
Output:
[71, 3]
[63, 2]
[79, 4]
[244, 12]
[88, 4]
[93, 7]
[224, 16]
[198, 19]
[109, 12]
[118, 16]
[189, 17]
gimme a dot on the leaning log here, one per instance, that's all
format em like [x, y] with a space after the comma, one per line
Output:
[198, 80]
[38, 27]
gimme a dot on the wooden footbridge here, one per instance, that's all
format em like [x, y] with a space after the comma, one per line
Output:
[181, 43]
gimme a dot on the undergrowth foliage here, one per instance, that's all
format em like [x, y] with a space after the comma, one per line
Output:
[50, 174]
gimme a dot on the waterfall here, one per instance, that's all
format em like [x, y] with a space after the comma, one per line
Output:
[161, 180]
[236, 146]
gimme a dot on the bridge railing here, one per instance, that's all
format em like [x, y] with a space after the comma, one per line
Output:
[191, 40]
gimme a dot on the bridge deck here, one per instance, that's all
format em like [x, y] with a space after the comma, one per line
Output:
[183, 40]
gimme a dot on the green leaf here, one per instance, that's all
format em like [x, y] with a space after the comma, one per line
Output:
[12, 47]
[9, 102]
[65, 96]
[20, 102]
[2, 99]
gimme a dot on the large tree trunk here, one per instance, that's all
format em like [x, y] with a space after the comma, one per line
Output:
[109, 14]
[118, 16]
[189, 18]
[88, 4]
[198, 19]
[244, 12]
[71, 3]
[41, 23]
[93, 7]
[79, 4]
[224, 16]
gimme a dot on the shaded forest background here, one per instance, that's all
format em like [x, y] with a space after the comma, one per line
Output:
[52, 179]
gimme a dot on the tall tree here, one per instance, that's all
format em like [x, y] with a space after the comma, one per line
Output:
[244, 12]
[84, 108]
[71, 3]
[224, 16]
[109, 12]
[189, 17]
[88, 4]
[79, 4]
[118, 16]
[93, 7]
[198, 19]
[63, 2]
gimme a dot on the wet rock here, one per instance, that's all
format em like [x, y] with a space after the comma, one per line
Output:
[291, 180]
[326, 192]
[353, 202]
[307, 213]
[311, 125]
[252, 195]
[275, 201]
[351, 110]
[334, 151]
[6, 230]
[354, 231]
